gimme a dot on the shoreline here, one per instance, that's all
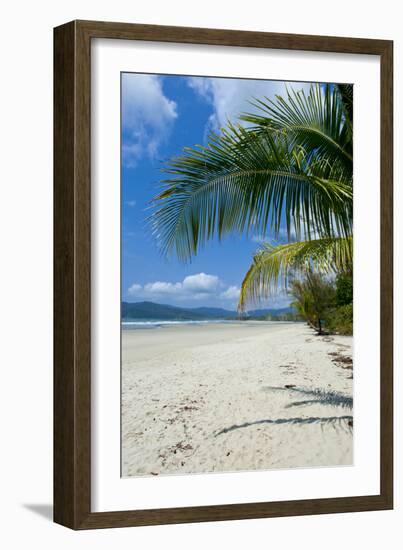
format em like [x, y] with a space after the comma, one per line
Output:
[226, 397]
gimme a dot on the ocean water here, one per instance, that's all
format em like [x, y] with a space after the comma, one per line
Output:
[138, 325]
[144, 325]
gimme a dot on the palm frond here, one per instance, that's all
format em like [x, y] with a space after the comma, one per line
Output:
[317, 122]
[245, 181]
[346, 92]
[273, 264]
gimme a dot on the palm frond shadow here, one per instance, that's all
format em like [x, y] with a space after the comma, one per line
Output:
[343, 422]
[322, 397]
[319, 397]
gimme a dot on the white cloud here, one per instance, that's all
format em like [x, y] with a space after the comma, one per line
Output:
[194, 288]
[232, 293]
[161, 287]
[198, 289]
[202, 85]
[134, 289]
[231, 96]
[147, 116]
[201, 283]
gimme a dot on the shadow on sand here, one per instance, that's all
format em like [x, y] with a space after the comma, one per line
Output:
[341, 421]
[318, 397]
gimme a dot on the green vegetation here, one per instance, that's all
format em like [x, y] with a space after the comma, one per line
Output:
[340, 319]
[327, 306]
[290, 317]
[314, 298]
[287, 316]
[344, 289]
[290, 167]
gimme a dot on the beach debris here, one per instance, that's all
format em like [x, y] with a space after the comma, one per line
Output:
[181, 446]
[188, 408]
[343, 361]
[187, 447]
[154, 473]
[288, 386]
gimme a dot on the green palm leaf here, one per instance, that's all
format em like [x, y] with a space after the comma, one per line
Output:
[346, 93]
[272, 264]
[318, 122]
[292, 167]
[244, 181]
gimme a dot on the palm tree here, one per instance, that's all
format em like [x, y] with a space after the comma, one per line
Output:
[302, 303]
[314, 298]
[290, 165]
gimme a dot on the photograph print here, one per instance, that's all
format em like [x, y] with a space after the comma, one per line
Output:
[236, 274]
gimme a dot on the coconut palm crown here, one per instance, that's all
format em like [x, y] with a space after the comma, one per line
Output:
[288, 165]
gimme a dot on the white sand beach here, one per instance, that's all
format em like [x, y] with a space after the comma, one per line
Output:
[229, 397]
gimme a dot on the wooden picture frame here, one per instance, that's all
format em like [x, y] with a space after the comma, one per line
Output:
[72, 270]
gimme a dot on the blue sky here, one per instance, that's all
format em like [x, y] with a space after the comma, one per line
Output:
[160, 116]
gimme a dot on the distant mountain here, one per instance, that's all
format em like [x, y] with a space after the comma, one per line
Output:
[140, 311]
[215, 312]
[159, 312]
[270, 311]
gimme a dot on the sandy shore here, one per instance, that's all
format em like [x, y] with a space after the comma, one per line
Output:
[229, 397]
